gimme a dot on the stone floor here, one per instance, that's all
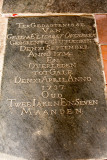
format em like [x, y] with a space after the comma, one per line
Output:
[101, 21]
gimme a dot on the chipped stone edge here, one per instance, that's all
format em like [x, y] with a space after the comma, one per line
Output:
[45, 14]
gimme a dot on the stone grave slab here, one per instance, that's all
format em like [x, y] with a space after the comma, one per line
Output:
[53, 102]
[55, 6]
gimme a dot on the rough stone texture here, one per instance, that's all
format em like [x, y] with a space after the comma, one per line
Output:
[58, 6]
[30, 129]
[2, 41]
[3, 27]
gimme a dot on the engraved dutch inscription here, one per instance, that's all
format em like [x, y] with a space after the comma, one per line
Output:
[53, 100]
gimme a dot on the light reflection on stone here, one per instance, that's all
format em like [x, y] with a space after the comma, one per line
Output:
[9, 157]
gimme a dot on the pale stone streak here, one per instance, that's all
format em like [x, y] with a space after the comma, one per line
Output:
[3, 30]
[9, 157]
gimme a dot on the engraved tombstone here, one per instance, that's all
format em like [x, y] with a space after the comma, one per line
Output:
[53, 103]
[55, 6]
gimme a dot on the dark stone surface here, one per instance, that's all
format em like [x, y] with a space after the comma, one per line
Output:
[57, 6]
[53, 73]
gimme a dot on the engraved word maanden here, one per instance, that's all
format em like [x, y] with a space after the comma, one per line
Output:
[53, 103]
